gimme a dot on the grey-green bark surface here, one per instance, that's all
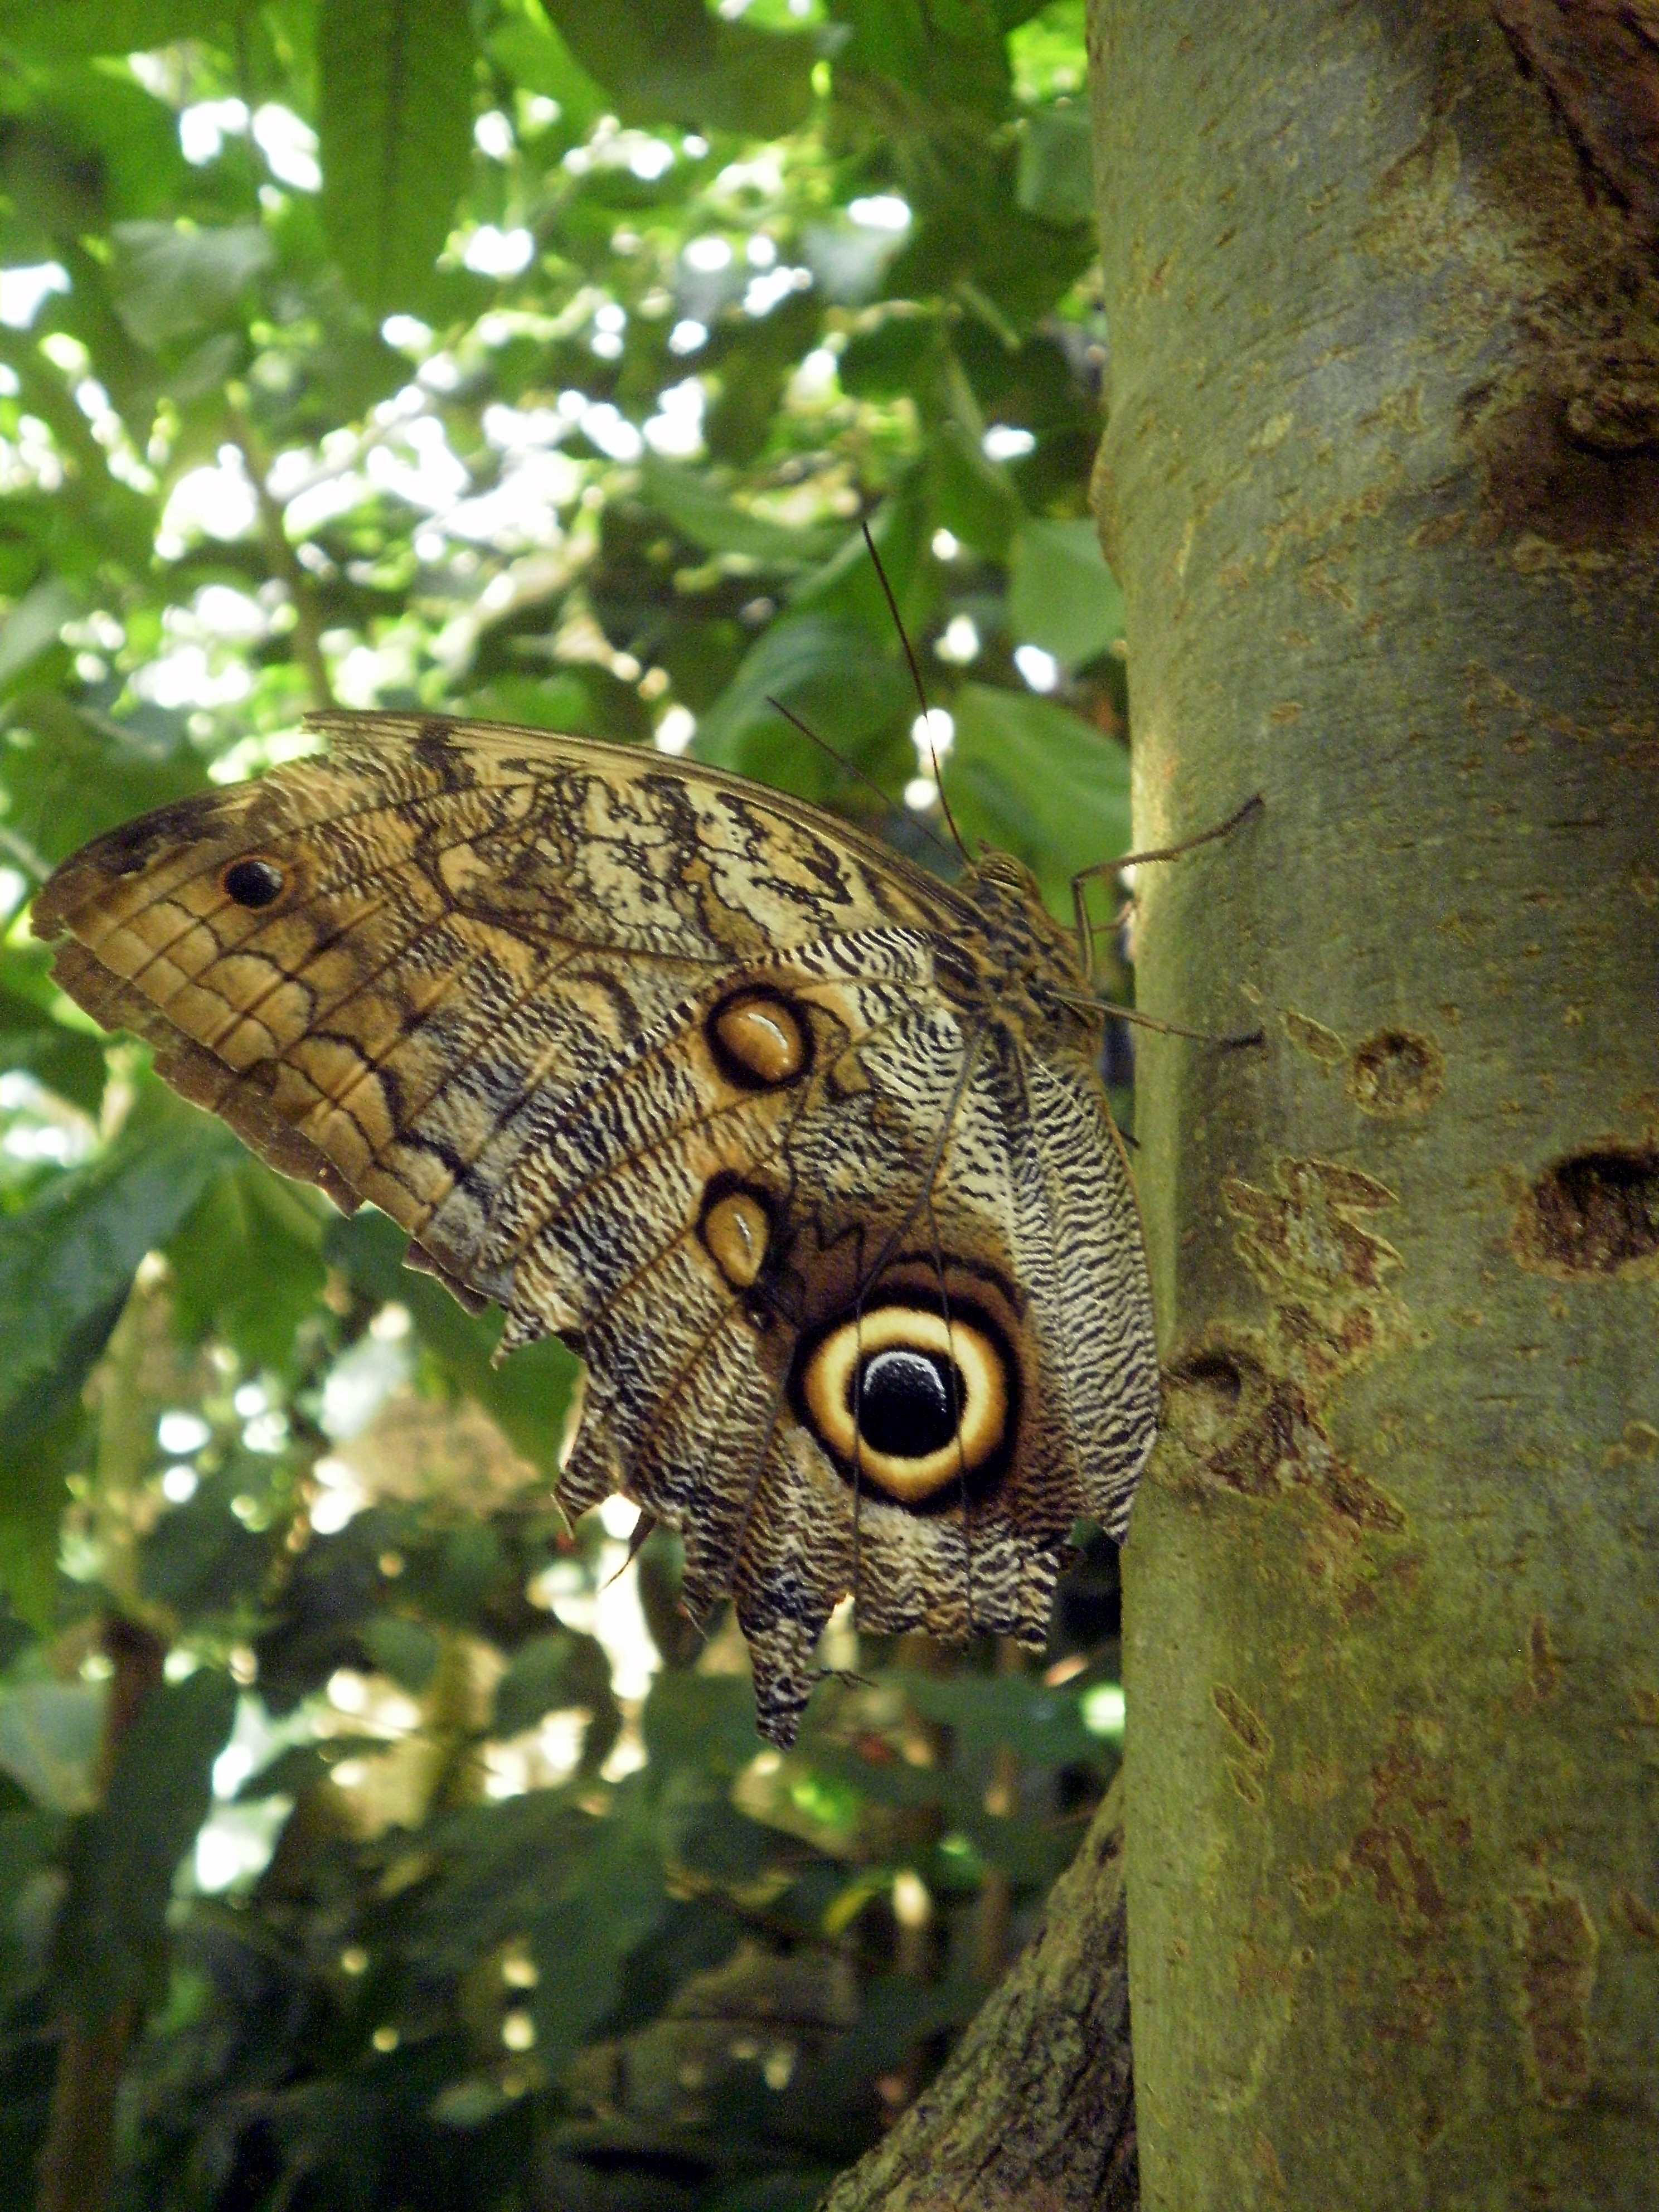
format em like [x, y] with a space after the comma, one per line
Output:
[1380, 480]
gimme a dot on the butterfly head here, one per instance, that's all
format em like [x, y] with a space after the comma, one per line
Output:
[1031, 963]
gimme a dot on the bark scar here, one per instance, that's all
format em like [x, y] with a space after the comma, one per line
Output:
[1556, 1942]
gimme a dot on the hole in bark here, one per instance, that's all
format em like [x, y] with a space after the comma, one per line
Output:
[1218, 1400]
[1213, 1389]
[1395, 1074]
[1551, 471]
[1594, 1213]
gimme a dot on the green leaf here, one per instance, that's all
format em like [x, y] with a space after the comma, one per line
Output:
[65, 774]
[703, 1721]
[950, 54]
[92, 149]
[42, 1428]
[49, 1737]
[199, 1560]
[847, 584]
[303, 1767]
[247, 1264]
[67, 1260]
[755, 358]
[527, 1396]
[672, 61]
[891, 356]
[110, 27]
[707, 517]
[169, 279]
[549, 1674]
[581, 1937]
[406, 1650]
[972, 495]
[111, 1940]
[30, 1841]
[395, 126]
[526, 46]
[1062, 595]
[825, 669]
[1056, 165]
[984, 1711]
[71, 1251]
[31, 627]
[67, 1060]
[1029, 777]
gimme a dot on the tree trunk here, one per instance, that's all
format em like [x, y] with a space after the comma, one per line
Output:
[1380, 480]
[1034, 2112]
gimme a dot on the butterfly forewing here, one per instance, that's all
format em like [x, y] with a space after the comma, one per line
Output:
[790, 1141]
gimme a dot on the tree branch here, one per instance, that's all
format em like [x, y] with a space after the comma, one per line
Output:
[78, 2159]
[1036, 2110]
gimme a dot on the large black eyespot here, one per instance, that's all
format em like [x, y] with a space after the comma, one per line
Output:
[905, 1401]
[909, 1402]
[254, 883]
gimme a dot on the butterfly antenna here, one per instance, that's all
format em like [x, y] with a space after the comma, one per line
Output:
[921, 690]
[851, 768]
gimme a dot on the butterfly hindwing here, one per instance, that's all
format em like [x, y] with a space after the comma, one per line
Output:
[803, 1150]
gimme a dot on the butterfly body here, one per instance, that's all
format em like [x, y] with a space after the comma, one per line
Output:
[803, 1151]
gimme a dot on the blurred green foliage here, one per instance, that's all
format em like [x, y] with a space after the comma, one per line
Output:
[535, 360]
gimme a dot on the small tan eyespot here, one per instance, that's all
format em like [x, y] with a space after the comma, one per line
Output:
[913, 1403]
[736, 1230]
[759, 1040]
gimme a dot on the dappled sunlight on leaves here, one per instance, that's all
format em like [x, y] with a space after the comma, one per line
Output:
[541, 366]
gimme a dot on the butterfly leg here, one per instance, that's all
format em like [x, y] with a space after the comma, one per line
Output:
[1086, 930]
[1229, 1042]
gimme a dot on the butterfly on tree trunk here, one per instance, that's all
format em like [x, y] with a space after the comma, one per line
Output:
[802, 1149]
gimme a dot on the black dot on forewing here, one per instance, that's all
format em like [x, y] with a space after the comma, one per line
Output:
[254, 882]
[907, 1402]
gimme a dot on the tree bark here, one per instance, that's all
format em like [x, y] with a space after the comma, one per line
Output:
[1034, 2111]
[1381, 480]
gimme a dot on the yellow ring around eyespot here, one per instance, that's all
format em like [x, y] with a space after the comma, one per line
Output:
[831, 1372]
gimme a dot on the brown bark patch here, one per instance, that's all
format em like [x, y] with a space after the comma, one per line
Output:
[1597, 63]
[1640, 1441]
[1265, 2159]
[1631, 1912]
[1413, 1773]
[1307, 1230]
[1424, 1999]
[1314, 1038]
[1258, 1968]
[1543, 1664]
[1402, 1874]
[1239, 1424]
[1396, 1074]
[1554, 468]
[1594, 1213]
[1251, 1731]
[1556, 1943]
[1316, 1890]
[1247, 1782]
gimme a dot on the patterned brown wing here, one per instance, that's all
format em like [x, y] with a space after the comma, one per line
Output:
[369, 965]
[766, 1124]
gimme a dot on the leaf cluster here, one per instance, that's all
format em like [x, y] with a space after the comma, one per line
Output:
[538, 359]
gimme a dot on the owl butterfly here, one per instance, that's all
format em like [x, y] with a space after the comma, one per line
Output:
[803, 1151]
